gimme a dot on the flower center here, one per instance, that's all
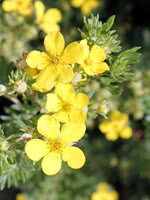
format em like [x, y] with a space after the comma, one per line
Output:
[67, 106]
[88, 61]
[55, 60]
[55, 145]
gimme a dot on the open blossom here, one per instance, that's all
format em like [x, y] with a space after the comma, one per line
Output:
[57, 145]
[92, 61]
[23, 7]
[105, 192]
[85, 5]
[116, 126]
[48, 20]
[67, 105]
[55, 65]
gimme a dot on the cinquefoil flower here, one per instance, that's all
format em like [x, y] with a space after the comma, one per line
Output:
[116, 126]
[85, 5]
[57, 145]
[93, 60]
[67, 105]
[55, 65]
[23, 7]
[48, 20]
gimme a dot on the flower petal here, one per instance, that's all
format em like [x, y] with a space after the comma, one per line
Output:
[46, 79]
[61, 116]
[65, 92]
[77, 116]
[126, 132]
[97, 54]
[39, 10]
[48, 127]
[80, 100]
[71, 132]
[99, 68]
[37, 59]
[105, 126]
[74, 157]
[53, 103]
[54, 43]
[36, 149]
[53, 16]
[51, 163]
[48, 27]
[77, 3]
[72, 53]
[85, 48]
[9, 6]
[64, 73]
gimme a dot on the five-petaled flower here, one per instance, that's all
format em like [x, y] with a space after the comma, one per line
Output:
[67, 105]
[48, 20]
[93, 60]
[23, 7]
[57, 145]
[56, 65]
[85, 5]
[116, 126]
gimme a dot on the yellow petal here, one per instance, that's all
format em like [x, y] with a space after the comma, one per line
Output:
[61, 116]
[53, 16]
[126, 132]
[74, 157]
[72, 53]
[54, 43]
[80, 100]
[99, 68]
[51, 164]
[39, 10]
[36, 149]
[115, 115]
[64, 73]
[97, 54]
[65, 92]
[49, 27]
[105, 126]
[48, 127]
[9, 6]
[32, 72]
[53, 103]
[46, 79]
[88, 69]
[37, 59]
[112, 135]
[77, 3]
[85, 49]
[71, 132]
[88, 6]
[77, 116]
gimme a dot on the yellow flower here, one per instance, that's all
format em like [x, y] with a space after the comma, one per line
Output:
[20, 197]
[104, 192]
[85, 5]
[93, 60]
[67, 105]
[48, 20]
[116, 126]
[57, 145]
[23, 7]
[55, 65]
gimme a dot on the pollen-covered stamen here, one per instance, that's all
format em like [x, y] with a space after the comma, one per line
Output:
[88, 62]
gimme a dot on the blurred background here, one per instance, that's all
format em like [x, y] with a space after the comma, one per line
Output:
[123, 164]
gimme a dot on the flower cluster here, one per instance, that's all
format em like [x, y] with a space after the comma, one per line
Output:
[85, 5]
[23, 7]
[64, 121]
[104, 192]
[48, 20]
[116, 126]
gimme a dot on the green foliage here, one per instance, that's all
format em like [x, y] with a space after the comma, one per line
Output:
[101, 34]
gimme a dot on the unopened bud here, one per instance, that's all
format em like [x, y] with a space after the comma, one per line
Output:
[21, 86]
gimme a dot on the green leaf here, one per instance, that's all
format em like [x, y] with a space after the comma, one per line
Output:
[114, 89]
[107, 26]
